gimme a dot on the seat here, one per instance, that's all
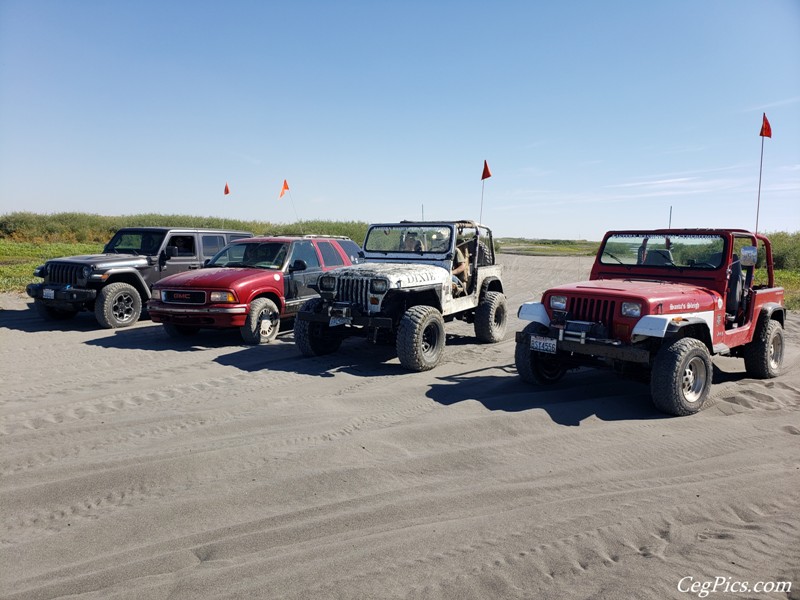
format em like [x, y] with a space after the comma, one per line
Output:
[658, 258]
[735, 288]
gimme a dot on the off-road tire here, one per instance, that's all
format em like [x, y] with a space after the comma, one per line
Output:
[262, 323]
[681, 377]
[421, 338]
[51, 313]
[118, 305]
[763, 357]
[180, 331]
[491, 318]
[535, 367]
[313, 338]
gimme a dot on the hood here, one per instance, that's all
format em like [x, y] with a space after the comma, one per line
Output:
[674, 297]
[221, 278]
[404, 274]
[105, 261]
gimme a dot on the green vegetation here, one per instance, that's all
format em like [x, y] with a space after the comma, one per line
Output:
[86, 228]
[546, 247]
[28, 239]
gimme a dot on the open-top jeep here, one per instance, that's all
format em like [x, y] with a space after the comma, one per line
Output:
[661, 302]
[404, 291]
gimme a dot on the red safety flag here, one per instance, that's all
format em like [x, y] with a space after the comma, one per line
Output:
[766, 130]
[227, 189]
[284, 189]
[486, 172]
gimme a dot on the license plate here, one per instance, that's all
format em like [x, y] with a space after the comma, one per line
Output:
[340, 321]
[543, 344]
[48, 293]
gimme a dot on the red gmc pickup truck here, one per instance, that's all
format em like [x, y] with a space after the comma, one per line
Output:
[251, 284]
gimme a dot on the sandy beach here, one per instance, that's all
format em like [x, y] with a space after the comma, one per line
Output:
[135, 466]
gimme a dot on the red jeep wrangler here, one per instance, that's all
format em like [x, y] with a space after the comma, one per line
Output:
[662, 302]
[251, 284]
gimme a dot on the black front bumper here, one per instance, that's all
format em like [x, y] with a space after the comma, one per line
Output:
[599, 349]
[341, 314]
[60, 293]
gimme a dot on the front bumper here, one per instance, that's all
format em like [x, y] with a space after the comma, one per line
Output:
[589, 347]
[345, 314]
[217, 316]
[60, 293]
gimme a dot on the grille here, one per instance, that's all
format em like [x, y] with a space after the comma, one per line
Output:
[593, 310]
[184, 297]
[353, 289]
[63, 273]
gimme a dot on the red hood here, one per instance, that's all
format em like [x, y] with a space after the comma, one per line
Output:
[222, 278]
[674, 297]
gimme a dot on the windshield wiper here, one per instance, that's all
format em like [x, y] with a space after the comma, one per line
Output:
[612, 256]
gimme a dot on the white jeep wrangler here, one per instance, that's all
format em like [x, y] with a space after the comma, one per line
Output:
[403, 291]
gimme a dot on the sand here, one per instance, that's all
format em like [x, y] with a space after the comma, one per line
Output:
[134, 466]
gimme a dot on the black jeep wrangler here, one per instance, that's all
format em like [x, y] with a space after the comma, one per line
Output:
[117, 283]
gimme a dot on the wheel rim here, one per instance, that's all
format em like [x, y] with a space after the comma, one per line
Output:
[775, 352]
[430, 339]
[123, 307]
[267, 322]
[694, 379]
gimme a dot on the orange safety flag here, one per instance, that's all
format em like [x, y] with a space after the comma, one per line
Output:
[766, 130]
[486, 172]
[284, 189]
[227, 189]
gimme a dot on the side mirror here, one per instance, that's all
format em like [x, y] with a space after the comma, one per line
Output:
[748, 256]
[170, 252]
[298, 265]
[206, 261]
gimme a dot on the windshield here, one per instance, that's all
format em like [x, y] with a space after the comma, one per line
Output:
[685, 251]
[135, 242]
[410, 238]
[260, 255]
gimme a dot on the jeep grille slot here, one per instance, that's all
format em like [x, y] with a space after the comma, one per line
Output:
[353, 289]
[594, 310]
[63, 273]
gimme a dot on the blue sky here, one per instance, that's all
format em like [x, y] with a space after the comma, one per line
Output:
[591, 115]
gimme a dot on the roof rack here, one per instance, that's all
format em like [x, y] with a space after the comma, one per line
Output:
[306, 235]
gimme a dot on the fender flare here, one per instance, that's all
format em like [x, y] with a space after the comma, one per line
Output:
[771, 308]
[124, 275]
[535, 312]
[666, 326]
[491, 283]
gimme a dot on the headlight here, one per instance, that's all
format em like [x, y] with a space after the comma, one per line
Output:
[327, 283]
[631, 309]
[40, 271]
[378, 286]
[86, 272]
[221, 297]
[558, 302]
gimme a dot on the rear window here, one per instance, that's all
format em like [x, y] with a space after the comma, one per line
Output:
[212, 244]
[330, 256]
[351, 249]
